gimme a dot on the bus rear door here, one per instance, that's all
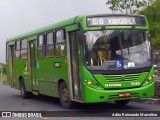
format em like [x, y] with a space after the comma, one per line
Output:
[11, 65]
[33, 66]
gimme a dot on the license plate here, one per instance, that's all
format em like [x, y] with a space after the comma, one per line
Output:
[124, 94]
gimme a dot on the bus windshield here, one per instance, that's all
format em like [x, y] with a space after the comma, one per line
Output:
[117, 49]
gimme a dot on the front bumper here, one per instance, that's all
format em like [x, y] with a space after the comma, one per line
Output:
[91, 95]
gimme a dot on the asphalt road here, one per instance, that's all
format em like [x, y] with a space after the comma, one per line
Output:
[10, 100]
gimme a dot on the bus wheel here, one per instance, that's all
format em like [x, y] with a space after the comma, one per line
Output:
[24, 93]
[64, 96]
[122, 102]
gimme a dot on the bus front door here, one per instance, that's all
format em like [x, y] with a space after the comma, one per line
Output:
[74, 51]
[33, 78]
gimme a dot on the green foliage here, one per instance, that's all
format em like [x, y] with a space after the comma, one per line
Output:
[155, 40]
[153, 15]
[149, 8]
[3, 68]
[127, 6]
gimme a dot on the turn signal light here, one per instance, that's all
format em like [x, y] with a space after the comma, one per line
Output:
[90, 82]
[151, 78]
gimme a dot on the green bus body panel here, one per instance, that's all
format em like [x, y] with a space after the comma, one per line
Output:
[72, 28]
[93, 95]
[11, 43]
[34, 37]
[20, 69]
[48, 75]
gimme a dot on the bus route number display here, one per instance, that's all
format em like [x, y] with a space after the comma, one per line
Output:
[120, 20]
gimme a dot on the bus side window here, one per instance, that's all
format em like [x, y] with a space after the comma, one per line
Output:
[60, 43]
[24, 47]
[41, 46]
[50, 45]
[17, 50]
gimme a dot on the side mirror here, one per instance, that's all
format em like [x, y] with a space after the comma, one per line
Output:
[80, 37]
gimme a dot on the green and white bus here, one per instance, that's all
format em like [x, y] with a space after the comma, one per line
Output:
[86, 59]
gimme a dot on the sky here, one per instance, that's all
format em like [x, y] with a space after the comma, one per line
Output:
[20, 16]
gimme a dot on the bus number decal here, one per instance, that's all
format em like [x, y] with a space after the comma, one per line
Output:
[97, 21]
[135, 83]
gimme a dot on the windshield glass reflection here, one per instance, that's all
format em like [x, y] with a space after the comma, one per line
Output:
[117, 49]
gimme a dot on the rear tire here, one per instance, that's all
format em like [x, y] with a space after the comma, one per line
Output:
[64, 96]
[24, 93]
[122, 102]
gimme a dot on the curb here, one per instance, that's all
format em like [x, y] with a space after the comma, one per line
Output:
[147, 100]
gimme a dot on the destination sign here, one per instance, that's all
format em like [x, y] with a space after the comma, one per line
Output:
[116, 20]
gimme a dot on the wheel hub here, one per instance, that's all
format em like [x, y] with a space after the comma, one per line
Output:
[64, 95]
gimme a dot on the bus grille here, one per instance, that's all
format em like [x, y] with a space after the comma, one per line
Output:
[119, 78]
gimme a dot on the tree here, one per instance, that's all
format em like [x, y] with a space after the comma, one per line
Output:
[3, 68]
[127, 6]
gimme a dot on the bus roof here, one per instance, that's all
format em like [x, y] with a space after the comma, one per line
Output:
[61, 24]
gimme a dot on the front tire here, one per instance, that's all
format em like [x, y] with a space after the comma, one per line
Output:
[64, 96]
[122, 102]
